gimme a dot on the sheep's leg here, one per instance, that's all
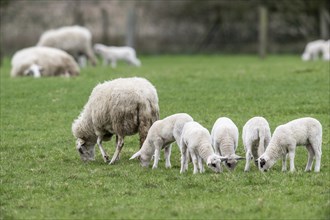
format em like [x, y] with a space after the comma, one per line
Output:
[195, 161]
[120, 144]
[318, 153]
[310, 158]
[200, 164]
[284, 158]
[188, 157]
[104, 154]
[113, 63]
[248, 159]
[158, 146]
[291, 157]
[183, 157]
[167, 152]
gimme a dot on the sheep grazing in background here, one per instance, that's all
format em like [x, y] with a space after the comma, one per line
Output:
[303, 131]
[114, 54]
[196, 140]
[43, 61]
[161, 135]
[120, 107]
[316, 48]
[75, 40]
[256, 136]
[225, 140]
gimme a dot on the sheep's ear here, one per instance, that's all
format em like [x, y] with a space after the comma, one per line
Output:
[222, 158]
[236, 157]
[137, 154]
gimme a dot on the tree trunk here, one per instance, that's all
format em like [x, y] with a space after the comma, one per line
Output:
[324, 23]
[131, 25]
[263, 26]
[105, 26]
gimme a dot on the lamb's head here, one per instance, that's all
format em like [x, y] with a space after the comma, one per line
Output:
[98, 48]
[306, 56]
[86, 149]
[144, 159]
[264, 162]
[214, 162]
[34, 70]
[232, 161]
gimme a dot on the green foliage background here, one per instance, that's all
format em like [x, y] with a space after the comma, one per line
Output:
[42, 176]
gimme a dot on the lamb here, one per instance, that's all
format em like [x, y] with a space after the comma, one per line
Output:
[315, 48]
[303, 131]
[225, 140]
[256, 137]
[43, 61]
[113, 54]
[161, 135]
[121, 107]
[75, 40]
[196, 140]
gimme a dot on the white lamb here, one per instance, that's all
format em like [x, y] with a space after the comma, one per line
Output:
[315, 48]
[256, 137]
[196, 140]
[75, 40]
[161, 135]
[43, 61]
[119, 107]
[303, 131]
[114, 54]
[225, 140]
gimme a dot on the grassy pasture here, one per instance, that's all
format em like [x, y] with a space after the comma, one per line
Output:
[42, 176]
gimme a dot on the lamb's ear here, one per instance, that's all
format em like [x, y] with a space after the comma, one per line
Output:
[137, 154]
[236, 157]
[222, 158]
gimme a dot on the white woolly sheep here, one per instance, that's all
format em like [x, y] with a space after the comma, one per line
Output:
[43, 61]
[123, 107]
[315, 48]
[196, 140]
[75, 40]
[256, 136]
[161, 135]
[303, 131]
[114, 54]
[225, 140]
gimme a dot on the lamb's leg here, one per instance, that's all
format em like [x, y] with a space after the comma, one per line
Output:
[113, 63]
[120, 144]
[248, 159]
[183, 157]
[318, 154]
[291, 157]
[195, 161]
[158, 146]
[310, 158]
[200, 164]
[104, 154]
[167, 152]
[284, 158]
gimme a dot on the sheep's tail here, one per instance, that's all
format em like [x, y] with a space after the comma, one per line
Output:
[147, 114]
[261, 147]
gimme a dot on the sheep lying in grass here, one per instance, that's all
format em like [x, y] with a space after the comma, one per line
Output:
[303, 131]
[43, 61]
[114, 54]
[256, 137]
[225, 140]
[196, 140]
[315, 48]
[161, 135]
[75, 40]
[119, 107]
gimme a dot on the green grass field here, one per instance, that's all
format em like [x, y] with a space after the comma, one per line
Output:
[42, 176]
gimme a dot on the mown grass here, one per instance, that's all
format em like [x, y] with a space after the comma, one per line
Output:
[42, 176]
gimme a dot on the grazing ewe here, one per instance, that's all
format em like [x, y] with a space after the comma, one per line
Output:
[315, 48]
[303, 131]
[43, 61]
[225, 140]
[122, 107]
[256, 137]
[161, 135]
[116, 53]
[196, 140]
[75, 40]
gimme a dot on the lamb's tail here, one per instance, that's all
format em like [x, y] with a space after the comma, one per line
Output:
[261, 147]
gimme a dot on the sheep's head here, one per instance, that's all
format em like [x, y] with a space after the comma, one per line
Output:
[306, 56]
[264, 163]
[86, 149]
[144, 160]
[232, 161]
[34, 70]
[214, 162]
